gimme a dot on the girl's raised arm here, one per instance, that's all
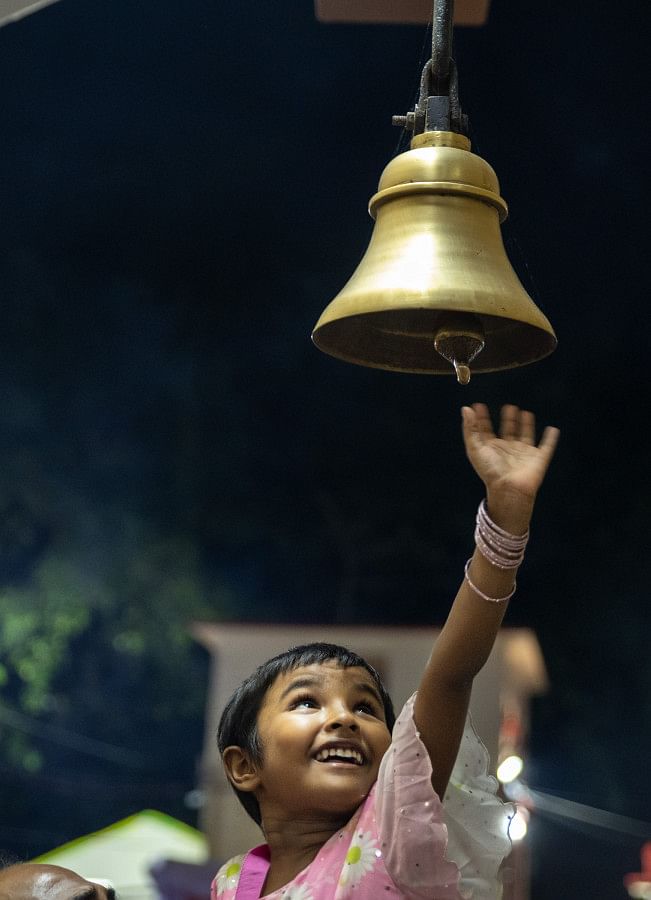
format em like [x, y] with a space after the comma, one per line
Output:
[512, 468]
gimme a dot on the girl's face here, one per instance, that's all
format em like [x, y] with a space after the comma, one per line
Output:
[323, 735]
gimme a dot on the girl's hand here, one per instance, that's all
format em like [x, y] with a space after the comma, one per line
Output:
[511, 466]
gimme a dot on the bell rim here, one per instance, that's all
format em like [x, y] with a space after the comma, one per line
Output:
[544, 339]
[442, 188]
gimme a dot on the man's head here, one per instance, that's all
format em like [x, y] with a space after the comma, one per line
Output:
[36, 881]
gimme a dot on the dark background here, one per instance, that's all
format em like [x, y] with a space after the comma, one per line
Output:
[183, 188]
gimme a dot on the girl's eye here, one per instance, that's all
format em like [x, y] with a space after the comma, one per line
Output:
[367, 708]
[306, 702]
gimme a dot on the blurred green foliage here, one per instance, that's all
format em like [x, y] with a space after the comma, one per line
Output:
[131, 614]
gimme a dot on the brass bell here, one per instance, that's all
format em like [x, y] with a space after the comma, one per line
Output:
[435, 292]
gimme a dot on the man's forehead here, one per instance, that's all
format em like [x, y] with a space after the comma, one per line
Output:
[36, 881]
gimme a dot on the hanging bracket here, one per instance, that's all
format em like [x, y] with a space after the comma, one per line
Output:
[438, 107]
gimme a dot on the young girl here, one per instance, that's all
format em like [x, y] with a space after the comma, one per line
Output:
[348, 809]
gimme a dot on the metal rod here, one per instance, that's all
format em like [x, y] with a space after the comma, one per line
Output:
[442, 21]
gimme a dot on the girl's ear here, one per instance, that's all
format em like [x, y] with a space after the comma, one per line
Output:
[240, 771]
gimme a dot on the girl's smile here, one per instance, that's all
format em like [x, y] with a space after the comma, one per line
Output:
[323, 734]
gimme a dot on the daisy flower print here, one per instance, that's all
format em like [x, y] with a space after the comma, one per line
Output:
[361, 858]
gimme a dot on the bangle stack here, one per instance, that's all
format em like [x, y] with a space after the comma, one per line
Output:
[504, 550]
[501, 548]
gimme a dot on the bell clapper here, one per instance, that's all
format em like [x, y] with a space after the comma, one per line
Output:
[460, 339]
[463, 372]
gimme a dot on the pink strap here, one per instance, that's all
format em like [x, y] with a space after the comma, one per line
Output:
[255, 866]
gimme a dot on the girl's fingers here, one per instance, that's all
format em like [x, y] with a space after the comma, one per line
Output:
[509, 424]
[483, 419]
[472, 429]
[549, 441]
[515, 424]
[527, 427]
[469, 424]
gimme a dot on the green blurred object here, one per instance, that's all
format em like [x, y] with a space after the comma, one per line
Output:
[123, 853]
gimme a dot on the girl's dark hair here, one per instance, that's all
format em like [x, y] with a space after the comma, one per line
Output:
[238, 725]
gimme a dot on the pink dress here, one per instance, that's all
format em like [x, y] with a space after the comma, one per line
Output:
[402, 841]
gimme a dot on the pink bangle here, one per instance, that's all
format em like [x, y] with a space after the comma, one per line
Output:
[503, 559]
[489, 536]
[499, 547]
[515, 538]
[481, 593]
